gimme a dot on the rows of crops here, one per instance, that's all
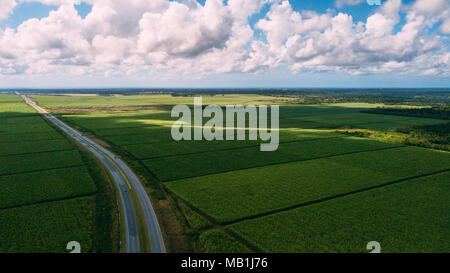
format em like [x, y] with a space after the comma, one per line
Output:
[406, 217]
[367, 121]
[17, 148]
[45, 186]
[177, 167]
[39, 161]
[270, 199]
[47, 227]
[47, 194]
[150, 150]
[235, 195]
[11, 138]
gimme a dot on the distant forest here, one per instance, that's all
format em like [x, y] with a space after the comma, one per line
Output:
[412, 96]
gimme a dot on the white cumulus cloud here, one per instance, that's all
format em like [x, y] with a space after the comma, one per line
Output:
[142, 37]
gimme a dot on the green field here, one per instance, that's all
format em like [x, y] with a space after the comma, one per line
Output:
[412, 216]
[17, 148]
[56, 102]
[48, 196]
[19, 138]
[321, 191]
[48, 227]
[38, 161]
[176, 167]
[235, 195]
[45, 186]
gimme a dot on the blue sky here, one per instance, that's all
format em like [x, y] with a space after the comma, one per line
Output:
[261, 61]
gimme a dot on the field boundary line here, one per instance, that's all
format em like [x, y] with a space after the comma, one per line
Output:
[259, 215]
[44, 152]
[43, 170]
[31, 141]
[287, 162]
[50, 200]
[237, 148]
[31, 153]
[215, 224]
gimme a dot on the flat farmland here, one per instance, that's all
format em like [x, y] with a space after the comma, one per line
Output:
[412, 216]
[39, 161]
[235, 195]
[58, 102]
[48, 196]
[12, 106]
[17, 148]
[48, 227]
[367, 121]
[238, 199]
[45, 186]
[27, 137]
[176, 167]
[171, 148]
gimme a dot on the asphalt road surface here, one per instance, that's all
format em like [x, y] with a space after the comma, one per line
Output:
[125, 180]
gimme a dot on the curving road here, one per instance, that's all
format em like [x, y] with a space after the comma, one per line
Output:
[126, 181]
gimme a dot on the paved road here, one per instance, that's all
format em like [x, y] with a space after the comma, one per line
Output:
[125, 180]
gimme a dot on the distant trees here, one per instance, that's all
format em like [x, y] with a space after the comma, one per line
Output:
[442, 112]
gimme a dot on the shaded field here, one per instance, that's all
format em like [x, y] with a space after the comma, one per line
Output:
[48, 227]
[23, 189]
[48, 196]
[143, 151]
[367, 121]
[235, 195]
[17, 148]
[25, 137]
[216, 241]
[38, 127]
[412, 216]
[177, 167]
[39, 161]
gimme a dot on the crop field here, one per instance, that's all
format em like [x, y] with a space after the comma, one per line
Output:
[278, 201]
[171, 148]
[12, 106]
[270, 188]
[47, 227]
[47, 195]
[176, 167]
[47, 186]
[367, 121]
[411, 216]
[26, 137]
[16, 148]
[39, 161]
[56, 102]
